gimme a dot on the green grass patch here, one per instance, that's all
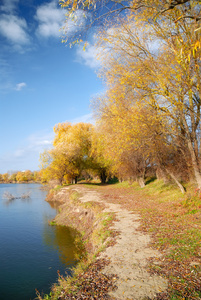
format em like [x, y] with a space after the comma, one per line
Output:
[52, 223]
[192, 202]
[123, 184]
[74, 197]
[166, 192]
[102, 232]
[57, 188]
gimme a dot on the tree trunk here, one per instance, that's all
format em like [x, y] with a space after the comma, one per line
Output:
[103, 177]
[160, 174]
[141, 182]
[176, 181]
[195, 164]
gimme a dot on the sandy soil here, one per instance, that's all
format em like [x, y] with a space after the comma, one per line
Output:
[128, 257]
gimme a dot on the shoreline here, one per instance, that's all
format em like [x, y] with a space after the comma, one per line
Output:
[84, 210]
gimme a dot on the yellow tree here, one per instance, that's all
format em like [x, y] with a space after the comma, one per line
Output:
[153, 67]
[126, 135]
[136, 139]
[101, 163]
[74, 141]
[70, 154]
[175, 26]
[37, 176]
[87, 13]
[5, 177]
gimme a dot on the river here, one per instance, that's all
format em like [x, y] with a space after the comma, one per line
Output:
[31, 251]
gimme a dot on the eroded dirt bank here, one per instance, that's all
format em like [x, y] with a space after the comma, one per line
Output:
[128, 257]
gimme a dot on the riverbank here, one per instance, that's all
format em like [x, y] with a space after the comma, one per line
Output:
[93, 223]
[156, 254]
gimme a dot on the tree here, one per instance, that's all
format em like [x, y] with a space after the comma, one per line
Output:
[74, 141]
[13, 177]
[5, 177]
[101, 164]
[37, 176]
[133, 136]
[162, 78]
[86, 13]
[70, 154]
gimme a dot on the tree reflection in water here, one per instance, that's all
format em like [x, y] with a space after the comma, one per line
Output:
[67, 241]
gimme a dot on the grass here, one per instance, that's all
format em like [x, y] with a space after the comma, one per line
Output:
[52, 223]
[68, 284]
[102, 232]
[74, 197]
[192, 203]
[72, 285]
[174, 222]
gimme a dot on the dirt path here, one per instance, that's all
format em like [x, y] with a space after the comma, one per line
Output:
[128, 257]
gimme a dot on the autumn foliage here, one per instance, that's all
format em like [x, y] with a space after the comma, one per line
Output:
[21, 177]
[77, 153]
[148, 119]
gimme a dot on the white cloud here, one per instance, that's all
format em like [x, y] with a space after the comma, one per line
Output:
[89, 56]
[20, 86]
[40, 139]
[75, 24]
[53, 23]
[35, 144]
[8, 5]
[50, 18]
[27, 156]
[14, 29]
[85, 118]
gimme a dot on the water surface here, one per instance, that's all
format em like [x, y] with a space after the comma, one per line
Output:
[31, 251]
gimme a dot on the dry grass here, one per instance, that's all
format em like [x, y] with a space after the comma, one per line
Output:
[87, 280]
[174, 222]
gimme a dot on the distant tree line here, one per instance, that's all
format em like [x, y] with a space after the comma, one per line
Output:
[20, 177]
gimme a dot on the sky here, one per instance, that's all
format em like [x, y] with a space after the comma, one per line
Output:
[42, 81]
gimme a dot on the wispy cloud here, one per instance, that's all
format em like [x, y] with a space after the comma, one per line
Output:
[50, 18]
[75, 24]
[35, 144]
[14, 29]
[8, 5]
[5, 83]
[41, 139]
[89, 56]
[20, 86]
[27, 156]
[52, 21]
[88, 118]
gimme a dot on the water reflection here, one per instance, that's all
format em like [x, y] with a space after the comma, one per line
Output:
[13, 200]
[54, 204]
[27, 243]
[26, 200]
[25, 197]
[8, 202]
[66, 241]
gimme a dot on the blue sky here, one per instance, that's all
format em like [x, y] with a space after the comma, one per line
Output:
[42, 81]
